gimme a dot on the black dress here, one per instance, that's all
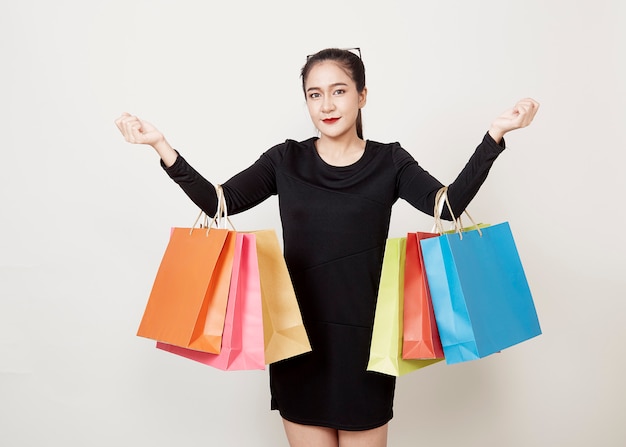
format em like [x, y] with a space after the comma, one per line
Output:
[335, 223]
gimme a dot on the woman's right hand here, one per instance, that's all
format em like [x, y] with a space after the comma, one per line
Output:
[137, 131]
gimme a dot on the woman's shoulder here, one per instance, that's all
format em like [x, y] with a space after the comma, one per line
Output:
[289, 148]
[292, 144]
[391, 152]
[377, 145]
[393, 149]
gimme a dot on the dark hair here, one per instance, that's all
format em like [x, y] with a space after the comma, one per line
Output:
[346, 59]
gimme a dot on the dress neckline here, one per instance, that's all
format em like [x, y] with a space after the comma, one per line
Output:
[356, 163]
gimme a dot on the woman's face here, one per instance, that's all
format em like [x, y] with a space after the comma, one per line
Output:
[333, 100]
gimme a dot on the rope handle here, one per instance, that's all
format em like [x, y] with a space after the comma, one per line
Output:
[219, 220]
[441, 200]
[221, 216]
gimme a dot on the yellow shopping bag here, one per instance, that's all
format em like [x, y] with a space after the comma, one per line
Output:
[386, 345]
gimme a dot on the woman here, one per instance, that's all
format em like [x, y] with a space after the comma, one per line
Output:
[335, 194]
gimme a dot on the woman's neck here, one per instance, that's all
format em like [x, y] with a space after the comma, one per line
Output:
[340, 152]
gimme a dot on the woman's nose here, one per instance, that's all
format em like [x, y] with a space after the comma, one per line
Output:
[327, 104]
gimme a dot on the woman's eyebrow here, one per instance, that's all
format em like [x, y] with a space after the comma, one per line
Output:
[336, 84]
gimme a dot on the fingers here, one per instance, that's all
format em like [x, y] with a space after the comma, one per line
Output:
[530, 101]
[131, 128]
[525, 111]
[520, 115]
[118, 121]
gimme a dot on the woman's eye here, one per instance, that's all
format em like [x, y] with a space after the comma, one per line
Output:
[314, 95]
[339, 92]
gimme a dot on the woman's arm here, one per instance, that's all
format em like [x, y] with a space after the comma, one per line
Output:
[248, 188]
[243, 191]
[420, 188]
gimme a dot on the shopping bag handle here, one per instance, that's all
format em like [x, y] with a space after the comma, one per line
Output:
[221, 216]
[206, 223]
[219, 220]
[441, 200]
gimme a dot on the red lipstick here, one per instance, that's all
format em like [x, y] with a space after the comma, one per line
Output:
[330, 120]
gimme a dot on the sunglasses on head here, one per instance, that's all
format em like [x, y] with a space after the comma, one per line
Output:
[356, 51]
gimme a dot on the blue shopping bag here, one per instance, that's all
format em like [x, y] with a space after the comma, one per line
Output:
[481, 298]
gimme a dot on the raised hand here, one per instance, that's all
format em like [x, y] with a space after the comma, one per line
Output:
[520, 115]
[137, 131]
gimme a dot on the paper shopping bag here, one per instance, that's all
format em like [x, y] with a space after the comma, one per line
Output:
[420, 334]
[242, 340]
[284, 332]
[480, 294]
[386, 345]
[187, 304]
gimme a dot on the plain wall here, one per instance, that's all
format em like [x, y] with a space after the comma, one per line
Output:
[85, 217]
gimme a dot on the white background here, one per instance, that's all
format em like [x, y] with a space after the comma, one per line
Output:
[85, 216]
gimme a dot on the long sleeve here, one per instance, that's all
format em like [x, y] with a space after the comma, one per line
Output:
[414, 184]
[243, 191]
[419, 188]
[198, 189]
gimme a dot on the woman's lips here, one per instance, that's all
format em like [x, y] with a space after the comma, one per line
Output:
[330, 120]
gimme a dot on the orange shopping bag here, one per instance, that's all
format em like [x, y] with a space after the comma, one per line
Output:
[284, 332]
[187, 304]
[242, 341]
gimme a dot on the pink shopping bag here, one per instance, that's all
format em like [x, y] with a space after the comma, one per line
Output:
[242, 340]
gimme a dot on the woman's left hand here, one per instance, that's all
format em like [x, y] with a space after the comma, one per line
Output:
[520, 115]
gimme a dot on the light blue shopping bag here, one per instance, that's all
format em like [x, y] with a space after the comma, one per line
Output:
[481, 298]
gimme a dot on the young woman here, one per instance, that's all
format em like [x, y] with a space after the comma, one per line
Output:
[335, 194]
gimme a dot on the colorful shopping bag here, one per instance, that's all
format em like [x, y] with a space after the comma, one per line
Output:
[386, 345]
[283, 329]
[187, 304]
[480, 294]
[420, 334]
[284, 332]
[242, 340]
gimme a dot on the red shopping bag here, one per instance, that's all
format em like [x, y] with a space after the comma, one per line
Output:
[420, 334]
[242, 341]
